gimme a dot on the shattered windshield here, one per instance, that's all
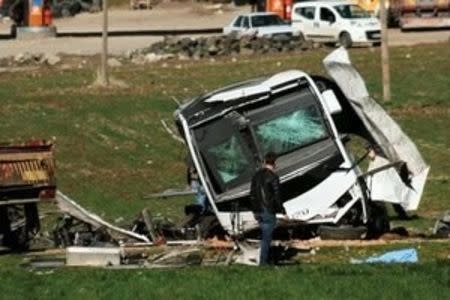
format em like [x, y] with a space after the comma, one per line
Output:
[290, 131]
[351, 11]
[230, 158]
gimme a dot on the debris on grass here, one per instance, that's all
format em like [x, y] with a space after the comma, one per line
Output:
[398, 256]
[442, 226]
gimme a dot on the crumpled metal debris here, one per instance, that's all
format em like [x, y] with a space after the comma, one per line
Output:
[394, 143]
[72, 208]
[442, 226]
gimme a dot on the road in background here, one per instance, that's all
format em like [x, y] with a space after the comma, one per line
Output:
[164, 16]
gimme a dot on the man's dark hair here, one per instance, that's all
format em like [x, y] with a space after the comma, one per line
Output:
[270, 158]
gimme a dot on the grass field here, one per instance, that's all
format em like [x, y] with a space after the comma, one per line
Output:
[111, 150]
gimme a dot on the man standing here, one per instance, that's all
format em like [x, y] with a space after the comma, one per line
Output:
[266, 202]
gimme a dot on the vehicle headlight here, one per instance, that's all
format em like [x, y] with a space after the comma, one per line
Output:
[355, 23]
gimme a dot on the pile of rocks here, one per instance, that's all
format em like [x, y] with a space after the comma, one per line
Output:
[214, 46]
[26, 59]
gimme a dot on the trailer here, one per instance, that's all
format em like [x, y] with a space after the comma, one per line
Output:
[26, 179]
[420, 14]
[412, 14]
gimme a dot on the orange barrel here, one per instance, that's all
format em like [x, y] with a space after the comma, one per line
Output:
[36, 15]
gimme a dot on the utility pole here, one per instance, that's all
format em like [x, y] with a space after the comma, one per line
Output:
[104, 79]
[385, 53]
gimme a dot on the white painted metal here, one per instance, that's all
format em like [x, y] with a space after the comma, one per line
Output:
[396, 145]
[67, 205]
[316, 201]
[90, 256]
[265, 87]
[331, 102]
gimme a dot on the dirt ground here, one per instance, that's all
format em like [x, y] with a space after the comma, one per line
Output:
[163, 16]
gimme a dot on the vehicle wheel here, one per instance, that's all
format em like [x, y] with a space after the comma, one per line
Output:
[378, 222]
[17, 240]
[345, 40]
[343, 232]
[65, 11]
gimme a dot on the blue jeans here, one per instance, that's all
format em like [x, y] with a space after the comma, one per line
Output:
[267, 222]
[200, 195]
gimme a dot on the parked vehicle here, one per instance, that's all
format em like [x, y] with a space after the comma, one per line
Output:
[69, 8]
[338, 22]
[260, 24]
[412, 14]
[306, 120]
[26, 179]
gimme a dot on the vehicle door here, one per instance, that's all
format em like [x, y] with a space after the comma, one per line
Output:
[246, 26]
[304, 19]
[327, 27]
[235, 27]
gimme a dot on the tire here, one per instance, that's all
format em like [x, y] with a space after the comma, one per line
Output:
[345, 40]
[17, 240]
[343, 232]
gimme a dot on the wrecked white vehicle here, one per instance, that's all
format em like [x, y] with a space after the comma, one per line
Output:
[306, 120]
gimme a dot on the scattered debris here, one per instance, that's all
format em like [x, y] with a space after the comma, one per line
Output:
[171, 133]
[51, 59]
[30, 59]
[442, 226]
[317, 242]
[179, 257]
[88, 256]
[74, 210]
[114, 63]
[171, 193]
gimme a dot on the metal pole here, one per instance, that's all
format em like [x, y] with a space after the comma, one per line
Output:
[104, 57]
[385, 53]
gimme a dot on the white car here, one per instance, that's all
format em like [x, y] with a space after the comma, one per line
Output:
[336, 21]
[261, 25]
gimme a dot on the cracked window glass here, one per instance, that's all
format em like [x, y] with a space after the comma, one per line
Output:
[288, 132]
[230, 159]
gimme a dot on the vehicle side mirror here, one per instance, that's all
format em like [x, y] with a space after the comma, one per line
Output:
[331, 102]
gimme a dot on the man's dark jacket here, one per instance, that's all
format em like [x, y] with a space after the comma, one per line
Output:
[265, 192]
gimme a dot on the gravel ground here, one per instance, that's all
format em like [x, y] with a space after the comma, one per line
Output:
[161, 17]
